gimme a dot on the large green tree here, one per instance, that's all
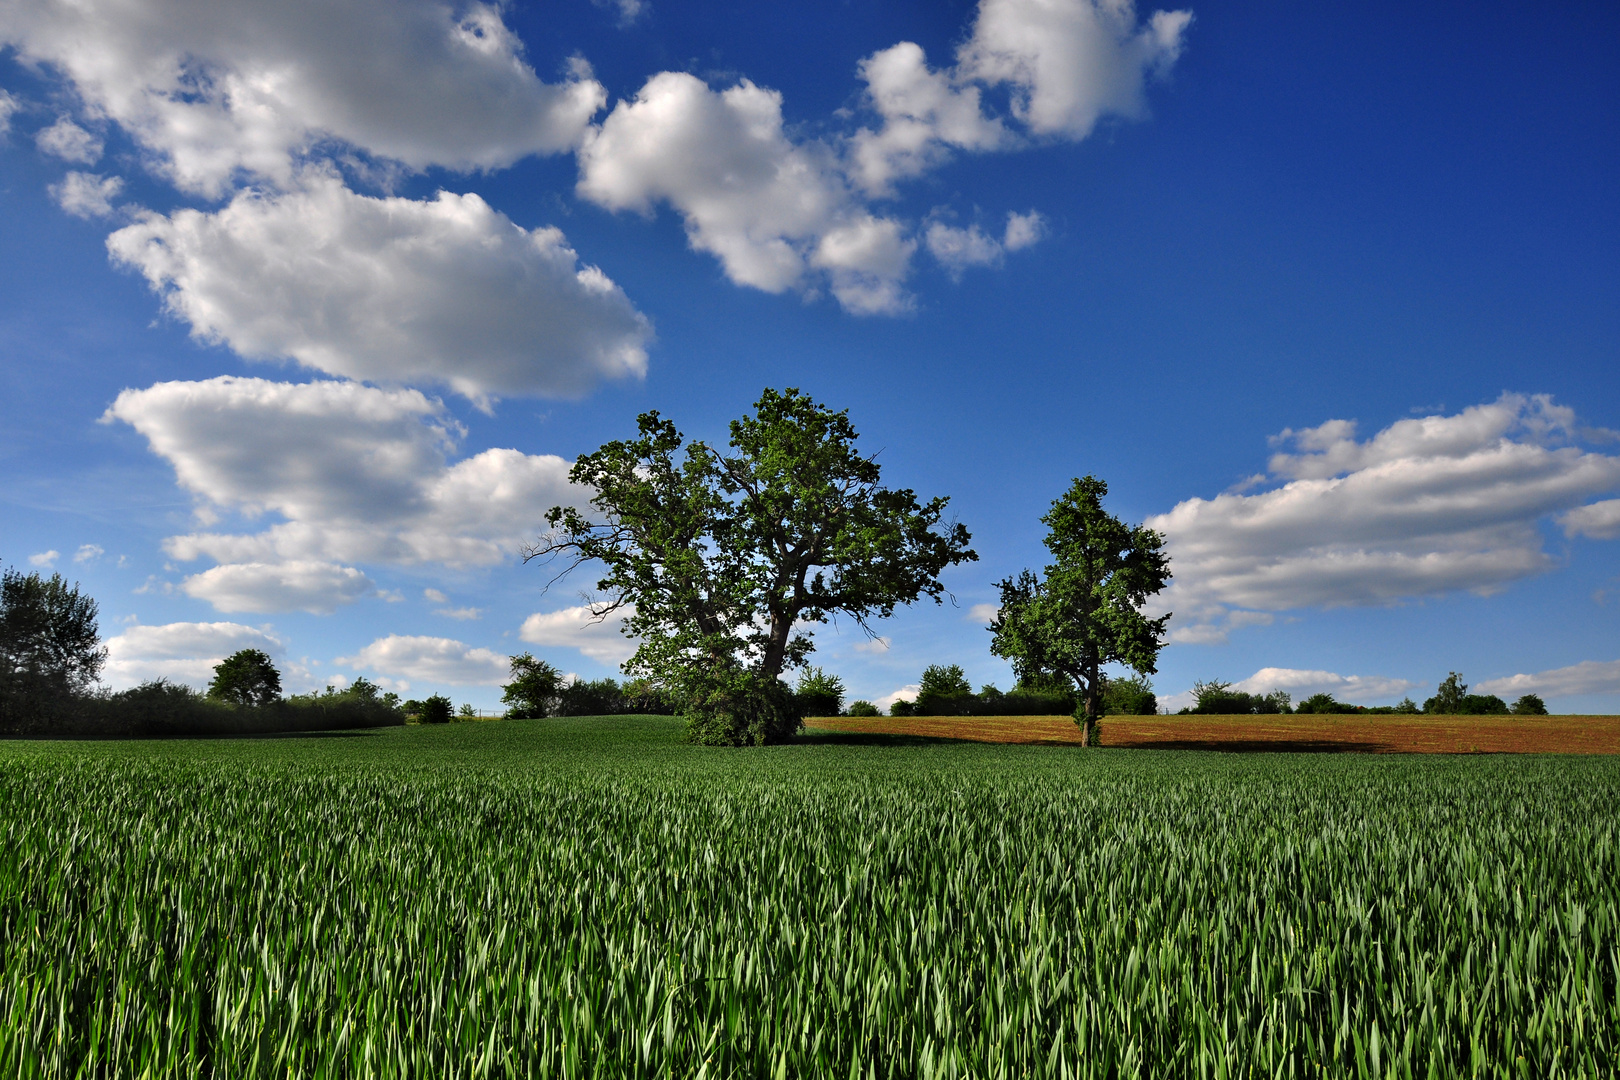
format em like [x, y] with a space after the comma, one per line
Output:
[50, 647]
[1086, 612]
[719, 558]
[246, 677]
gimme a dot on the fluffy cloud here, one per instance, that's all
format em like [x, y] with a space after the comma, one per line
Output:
[1425, 506]
[44, 559]
[782, 213]
[87, 195]
[957, 249]
[1588, 677]
[432, 660]
[89, 553]
[1070, 62]
[70, 142]
[319, 588]
[445, 290]
[357, 474]
[180, 652]
[8, 106]
[216, 88]
[578, 628]
[1600, 520]
[1359, 689]
[925, 115]
[905, 693]
[773, 211]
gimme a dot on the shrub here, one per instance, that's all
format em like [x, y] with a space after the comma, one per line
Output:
[1530, 705]
[1324, 705]
[1130, 695]
[739, 707]
[943, 691]
[819, 694]
[436, 710]
[902, 707]
[863, 708]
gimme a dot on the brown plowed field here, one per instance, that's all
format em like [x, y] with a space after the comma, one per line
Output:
[1356, 734]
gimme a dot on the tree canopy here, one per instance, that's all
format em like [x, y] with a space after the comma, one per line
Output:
[1086, 612]
[246, 677]
[534, 689]
[50, 646]
[719, 559]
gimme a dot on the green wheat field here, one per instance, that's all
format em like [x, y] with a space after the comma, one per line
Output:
[592, 897]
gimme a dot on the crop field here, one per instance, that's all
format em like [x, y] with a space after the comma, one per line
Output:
[1378, 734]
[591, 897]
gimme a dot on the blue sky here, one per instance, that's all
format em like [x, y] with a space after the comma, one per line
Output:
[303, 312]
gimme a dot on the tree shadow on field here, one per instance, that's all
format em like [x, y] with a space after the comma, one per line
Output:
[1267, 746]
[878, 738]
[237, 737]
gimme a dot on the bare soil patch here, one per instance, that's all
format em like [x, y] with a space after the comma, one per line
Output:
[1341, 734]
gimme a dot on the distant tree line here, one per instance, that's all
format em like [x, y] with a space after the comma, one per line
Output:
[1451, 698]
[51, 658]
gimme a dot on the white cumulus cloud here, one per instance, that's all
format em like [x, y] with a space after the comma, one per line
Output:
[432, 660]
[44, 559]
[319, 588]
[89, 553]
[183, 652]
[86, 195]
[445, 290]
[1301, 684]
[908, 692]
[214, 89]
[1587, 677]
[1425, 506]
[1599, 520]
[356, 473]
[1071, 62]
[9, 106]
[579, 628]
[773, 211]
[70, 142]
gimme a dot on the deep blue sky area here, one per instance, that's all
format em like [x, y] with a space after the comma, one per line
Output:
[1377, 213]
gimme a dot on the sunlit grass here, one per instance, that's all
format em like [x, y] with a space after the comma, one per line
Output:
[593, 898]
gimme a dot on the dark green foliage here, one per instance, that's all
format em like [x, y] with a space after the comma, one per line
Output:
[1324, 705]
[50, 650]
[1129, 695]
[1452, 698]
[721, 555]
[160, 709]
[819, 694]
[943, 691]
[412, 708]
[1217, 698]
[863, 708]
[1530, 705]
[1406, 706]
[1087, 611]
[436, 710]
[534, 690]
[591, 697]
[591, 898]
[901, 707]
[246, 677]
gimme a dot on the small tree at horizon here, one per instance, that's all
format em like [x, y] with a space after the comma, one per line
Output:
[1086, 612]
[719, 558]
[247, 677]
[534, 689]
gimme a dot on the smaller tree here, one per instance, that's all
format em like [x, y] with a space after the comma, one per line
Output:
[1530, 705]
[50, 646]
[1324, 705]
[467, 712]
[863, 708]
[436, 710]
[247, 677]
[1087, 611]
[819, 694]
[1448, 697]
[943, 691]
[534, 689]
[1129, 695]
